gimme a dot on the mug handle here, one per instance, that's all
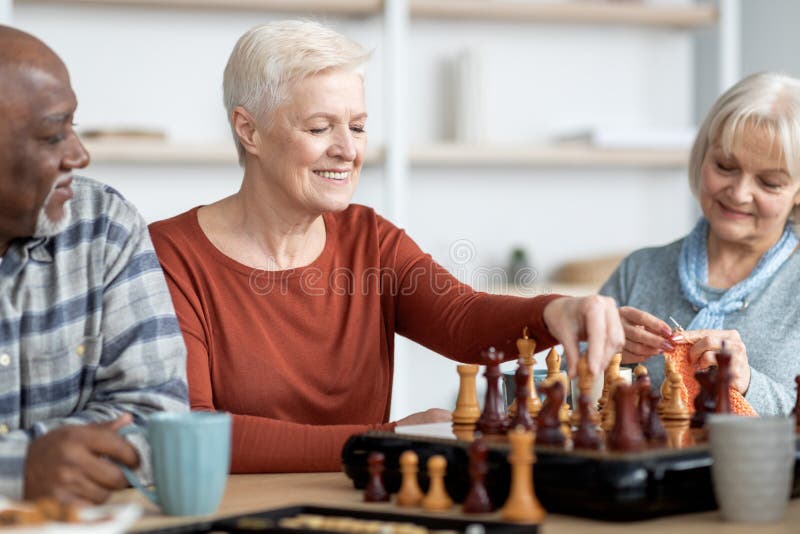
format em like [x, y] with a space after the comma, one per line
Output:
[130, 475]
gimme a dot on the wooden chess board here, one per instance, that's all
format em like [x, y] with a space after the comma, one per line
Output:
[597, 484]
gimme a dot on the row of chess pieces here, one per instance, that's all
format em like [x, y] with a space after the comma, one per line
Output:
[626, 418]
[521, 506]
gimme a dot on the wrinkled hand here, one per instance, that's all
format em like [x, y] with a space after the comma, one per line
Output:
[645, 335]
[76, 463]
[705, 343]
[594, 319]
[432, 415]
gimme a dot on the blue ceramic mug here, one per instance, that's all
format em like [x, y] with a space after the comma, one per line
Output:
[190, 455]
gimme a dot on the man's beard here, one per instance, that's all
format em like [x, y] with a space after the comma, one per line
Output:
[45, 226]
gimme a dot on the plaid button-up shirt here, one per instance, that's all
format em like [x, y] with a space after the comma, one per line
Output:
[87, 329]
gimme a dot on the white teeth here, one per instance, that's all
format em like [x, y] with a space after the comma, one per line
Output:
[333, 175]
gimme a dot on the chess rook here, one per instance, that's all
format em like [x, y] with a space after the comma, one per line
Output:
[467, 409]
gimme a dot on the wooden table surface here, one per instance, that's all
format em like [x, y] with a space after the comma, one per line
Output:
[250, 493]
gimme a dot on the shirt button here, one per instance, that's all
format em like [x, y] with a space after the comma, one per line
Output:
[5, 360]
[3, 429]
[80, 350]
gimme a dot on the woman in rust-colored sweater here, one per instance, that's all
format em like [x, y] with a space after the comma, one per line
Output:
[289, 297]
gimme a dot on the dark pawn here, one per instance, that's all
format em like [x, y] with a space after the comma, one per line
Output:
[654, 431]
[626, 436]
[522, 417]
[722, 389]
[375, 492]
[642, 386]
[704, 401]
[548, 425]
[494, 419]
[796, 410]
[586, 437]
[477, 500]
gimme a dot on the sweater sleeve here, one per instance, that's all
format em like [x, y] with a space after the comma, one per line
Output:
[436, 310]
[259, 444]
[767, 396]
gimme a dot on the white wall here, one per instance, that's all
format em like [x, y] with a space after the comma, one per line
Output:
[163, 68]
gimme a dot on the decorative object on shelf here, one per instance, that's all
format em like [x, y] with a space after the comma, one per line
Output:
[469, 99]
[591, 271]
[519, 267]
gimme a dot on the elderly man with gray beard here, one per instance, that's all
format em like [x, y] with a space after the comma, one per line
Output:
[89, 341]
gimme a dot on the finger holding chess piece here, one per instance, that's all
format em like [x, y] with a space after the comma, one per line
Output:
[410, 493]
[437, 498]
[585, 387]
[610, 377]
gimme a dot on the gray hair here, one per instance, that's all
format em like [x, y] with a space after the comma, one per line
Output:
[268, 60]
[765, 100]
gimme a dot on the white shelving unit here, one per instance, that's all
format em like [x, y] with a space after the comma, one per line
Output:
[402, 151]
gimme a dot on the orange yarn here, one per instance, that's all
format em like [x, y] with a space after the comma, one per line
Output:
[680, 360]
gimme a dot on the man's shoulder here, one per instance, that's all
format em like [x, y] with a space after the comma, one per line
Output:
[92, 198]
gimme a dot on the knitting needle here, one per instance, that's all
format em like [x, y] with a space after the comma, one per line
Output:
[678, 328]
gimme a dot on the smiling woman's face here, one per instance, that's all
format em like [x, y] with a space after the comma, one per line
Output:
[747, 195]
[313, 151]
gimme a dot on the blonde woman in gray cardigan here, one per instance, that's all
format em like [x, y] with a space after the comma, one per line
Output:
[734, 277]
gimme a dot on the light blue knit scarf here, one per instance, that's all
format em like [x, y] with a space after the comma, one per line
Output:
[693, 271]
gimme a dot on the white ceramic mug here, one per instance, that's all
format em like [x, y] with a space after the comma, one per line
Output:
[753, 466]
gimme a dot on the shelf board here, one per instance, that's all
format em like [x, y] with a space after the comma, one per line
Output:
[546, 288]
[546, 156]
[624, 13]
[160, 152]
[444, 155]
[328, 7]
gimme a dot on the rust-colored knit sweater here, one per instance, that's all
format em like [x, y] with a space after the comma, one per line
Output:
[303, 358]
[680, 359]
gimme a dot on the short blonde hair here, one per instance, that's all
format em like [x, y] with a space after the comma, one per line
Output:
[766, 100]
[269, 59]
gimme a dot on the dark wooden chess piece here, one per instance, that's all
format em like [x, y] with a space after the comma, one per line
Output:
[722, 389]
[796, 410]
[586, 437]
[654, 430]
[522, 416]
[375, 492]
[626, 435]
[704, 402]
[494, 419]
[477, 500]
[642, 386]
[548, 423]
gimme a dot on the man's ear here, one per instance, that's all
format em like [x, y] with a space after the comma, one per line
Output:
[244, 124]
